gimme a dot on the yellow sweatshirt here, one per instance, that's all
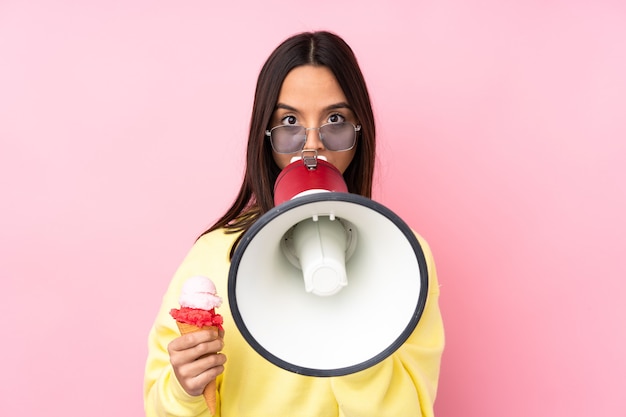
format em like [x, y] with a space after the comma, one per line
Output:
[403, 385]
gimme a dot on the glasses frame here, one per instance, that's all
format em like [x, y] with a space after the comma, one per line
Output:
[268, 133]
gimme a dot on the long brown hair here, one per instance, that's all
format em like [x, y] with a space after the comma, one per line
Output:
[256, 195]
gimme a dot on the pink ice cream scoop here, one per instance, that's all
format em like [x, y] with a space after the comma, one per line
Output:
[198, 300]
[199, 292]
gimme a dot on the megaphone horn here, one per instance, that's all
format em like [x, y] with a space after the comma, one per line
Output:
[305, 292]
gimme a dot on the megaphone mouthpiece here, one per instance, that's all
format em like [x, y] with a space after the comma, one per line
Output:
[297, 180]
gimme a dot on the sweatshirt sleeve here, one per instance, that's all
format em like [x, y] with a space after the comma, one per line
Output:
[406, 382]
[163, 394]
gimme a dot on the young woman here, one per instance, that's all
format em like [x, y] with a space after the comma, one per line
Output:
[311, 81]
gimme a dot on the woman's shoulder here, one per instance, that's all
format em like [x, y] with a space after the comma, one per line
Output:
[218, 236]
[217, 241]
[209, 256]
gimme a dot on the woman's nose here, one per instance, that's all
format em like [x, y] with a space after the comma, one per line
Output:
[313, 139]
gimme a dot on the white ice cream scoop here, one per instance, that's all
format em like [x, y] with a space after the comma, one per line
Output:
[199, 292]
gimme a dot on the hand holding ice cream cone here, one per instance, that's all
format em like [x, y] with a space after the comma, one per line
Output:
[198, 301]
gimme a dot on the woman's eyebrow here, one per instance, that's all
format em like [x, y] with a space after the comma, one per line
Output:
[335, 106]
[285, 107]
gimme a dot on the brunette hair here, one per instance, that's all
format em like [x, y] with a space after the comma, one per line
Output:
[256, 195]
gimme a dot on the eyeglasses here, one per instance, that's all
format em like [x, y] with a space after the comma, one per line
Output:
[335, 137]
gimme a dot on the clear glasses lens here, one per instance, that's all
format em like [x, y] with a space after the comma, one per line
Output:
[335, 136]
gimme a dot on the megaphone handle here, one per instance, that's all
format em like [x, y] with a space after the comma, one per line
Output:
[309, 158]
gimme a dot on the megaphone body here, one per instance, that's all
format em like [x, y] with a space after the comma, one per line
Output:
[316, 276]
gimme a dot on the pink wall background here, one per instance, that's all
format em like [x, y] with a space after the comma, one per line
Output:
[502, 140]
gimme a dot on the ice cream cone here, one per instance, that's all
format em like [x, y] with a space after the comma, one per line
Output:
[210, 391]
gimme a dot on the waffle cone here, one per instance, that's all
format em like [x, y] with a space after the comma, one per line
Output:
[210, 391]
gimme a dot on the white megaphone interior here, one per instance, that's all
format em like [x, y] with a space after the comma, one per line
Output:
[353, 325]
[320, 246]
